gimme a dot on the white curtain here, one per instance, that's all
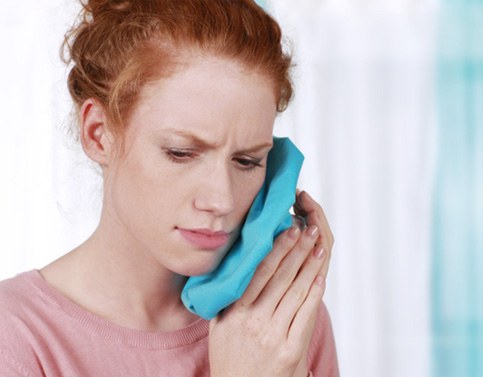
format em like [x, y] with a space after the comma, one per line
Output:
[49, 194]
[363, 115]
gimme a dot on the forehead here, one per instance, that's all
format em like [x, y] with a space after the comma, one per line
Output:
[206, 73]
[208, 93]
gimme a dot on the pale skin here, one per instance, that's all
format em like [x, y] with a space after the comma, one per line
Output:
[195, 155]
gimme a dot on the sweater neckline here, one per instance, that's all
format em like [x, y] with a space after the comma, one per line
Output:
[150, 340]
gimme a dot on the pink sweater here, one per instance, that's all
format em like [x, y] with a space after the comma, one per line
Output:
[43, 333]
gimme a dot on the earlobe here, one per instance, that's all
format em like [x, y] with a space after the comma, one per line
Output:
[96, 139]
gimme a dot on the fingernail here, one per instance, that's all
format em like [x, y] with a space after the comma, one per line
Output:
[319, 252]
[312, 231]
[319, 280]
[294, 232]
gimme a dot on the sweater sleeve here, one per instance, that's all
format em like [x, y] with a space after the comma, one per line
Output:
[11, 367]
[17, 358]
[322, 352]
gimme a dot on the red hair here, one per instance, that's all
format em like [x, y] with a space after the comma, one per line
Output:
[119, 45]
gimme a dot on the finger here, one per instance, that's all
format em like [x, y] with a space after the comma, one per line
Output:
[298, 208]
[304, 321]
[298, 291]
[315, 216]
[288, 269]
[281, 247]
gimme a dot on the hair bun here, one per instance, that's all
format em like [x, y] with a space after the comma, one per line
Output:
[111, 8]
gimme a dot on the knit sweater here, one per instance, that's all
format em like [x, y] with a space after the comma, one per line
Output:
[44, 334]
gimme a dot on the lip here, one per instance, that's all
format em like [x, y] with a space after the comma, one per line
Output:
[205, 239]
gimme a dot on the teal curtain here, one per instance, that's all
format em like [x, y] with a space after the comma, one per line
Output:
[457, 276]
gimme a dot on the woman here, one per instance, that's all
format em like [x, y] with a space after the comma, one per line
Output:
[176, 102]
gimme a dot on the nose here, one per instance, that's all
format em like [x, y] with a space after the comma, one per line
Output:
[214, 191]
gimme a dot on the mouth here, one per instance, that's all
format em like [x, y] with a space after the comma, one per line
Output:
[205, 239]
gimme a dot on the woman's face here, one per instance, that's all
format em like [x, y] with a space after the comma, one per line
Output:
[195, 157]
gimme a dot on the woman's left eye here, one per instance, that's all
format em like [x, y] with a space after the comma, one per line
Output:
[248, 164]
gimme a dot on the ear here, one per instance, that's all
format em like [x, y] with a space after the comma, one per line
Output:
[97, 141]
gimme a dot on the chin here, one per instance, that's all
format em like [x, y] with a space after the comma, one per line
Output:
[197, 266]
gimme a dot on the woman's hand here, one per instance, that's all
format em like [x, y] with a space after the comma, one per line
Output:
[306, 207]
[268, 331]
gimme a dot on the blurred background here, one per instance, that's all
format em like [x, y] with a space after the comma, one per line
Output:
[389, 113]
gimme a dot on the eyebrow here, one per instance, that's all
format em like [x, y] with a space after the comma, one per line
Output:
[199, 142]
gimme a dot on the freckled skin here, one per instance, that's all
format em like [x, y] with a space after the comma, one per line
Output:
[189, 162]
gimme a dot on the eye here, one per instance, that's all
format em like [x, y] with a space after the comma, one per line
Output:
[179, 155]
[248, 163]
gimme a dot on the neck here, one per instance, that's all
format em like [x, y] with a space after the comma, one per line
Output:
[114, 278]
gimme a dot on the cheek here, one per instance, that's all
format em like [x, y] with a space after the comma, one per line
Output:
[139, 193]
[247, 190]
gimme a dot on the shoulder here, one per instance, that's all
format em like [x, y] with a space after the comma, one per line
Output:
[17, 334]
[16, 296]
[13, 294]
[322, 352]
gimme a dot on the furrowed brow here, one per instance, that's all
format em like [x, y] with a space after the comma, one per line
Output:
[199, 142]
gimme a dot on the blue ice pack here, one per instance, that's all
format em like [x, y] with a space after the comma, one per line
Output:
[269, 215]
